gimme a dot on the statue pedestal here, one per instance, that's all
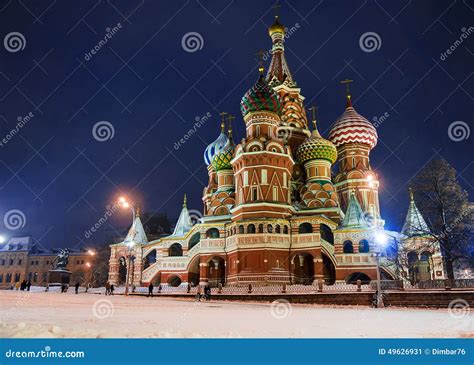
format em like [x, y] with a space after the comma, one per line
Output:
[58, 277]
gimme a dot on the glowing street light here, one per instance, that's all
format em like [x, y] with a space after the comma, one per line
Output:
[2, 239]
[124, 203]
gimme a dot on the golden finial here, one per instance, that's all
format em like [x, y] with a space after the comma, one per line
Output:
[313, 112]
[184, 201]
[348, 93]
[260, 62]
[411, 193]
[230, 118]
[223, 114]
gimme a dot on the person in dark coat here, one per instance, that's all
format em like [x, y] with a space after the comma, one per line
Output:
[107, 288]
[23, 285]
[28, 285]
[207, 292]
[77, 287]
[112, 288]
[150, 290]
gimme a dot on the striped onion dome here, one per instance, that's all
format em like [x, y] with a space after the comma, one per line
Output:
[316, 148]
[260, 97]
[351, 127]
[215, 147]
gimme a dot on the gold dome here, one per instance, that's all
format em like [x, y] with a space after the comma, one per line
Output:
[276, 27]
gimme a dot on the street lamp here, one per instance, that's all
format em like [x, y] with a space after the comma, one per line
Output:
[126, 204]
[381, 240]
[2, 239]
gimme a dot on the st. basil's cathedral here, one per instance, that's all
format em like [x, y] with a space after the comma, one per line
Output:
[283, 206]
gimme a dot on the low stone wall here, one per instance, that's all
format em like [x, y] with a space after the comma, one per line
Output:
[420, 299]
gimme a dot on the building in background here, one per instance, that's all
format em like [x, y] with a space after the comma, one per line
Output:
[22, 259]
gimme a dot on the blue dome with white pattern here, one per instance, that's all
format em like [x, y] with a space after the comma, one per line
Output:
[215, 147]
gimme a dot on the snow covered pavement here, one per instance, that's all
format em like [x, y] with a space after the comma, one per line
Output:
[39, 314]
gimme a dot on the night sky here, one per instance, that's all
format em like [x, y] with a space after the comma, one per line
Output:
[148, 88]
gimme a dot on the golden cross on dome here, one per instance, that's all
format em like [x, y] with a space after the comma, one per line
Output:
[277, 7]
[230, 118]
[313, 112]
[223, 114]
[260, 54]
[348, 93]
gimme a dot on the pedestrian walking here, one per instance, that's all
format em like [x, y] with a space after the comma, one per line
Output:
[28, 285]
[207, 292]
[76, 287]
[198, 293]
[112, 288]
[23, 285]
[107, 288]
[150, 290]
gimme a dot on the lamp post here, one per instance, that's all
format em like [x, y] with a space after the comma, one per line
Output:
[126, 204]
[381, 239]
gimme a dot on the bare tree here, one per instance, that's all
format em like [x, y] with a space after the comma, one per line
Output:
[444, 205]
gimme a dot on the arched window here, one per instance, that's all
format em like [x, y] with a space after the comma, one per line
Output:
[305, 228]
[251, 228]
[175, 250]
[260, 228]
[277, 229]
[285, 230]
[241, 229]
[270, 228]
[363, 246]
[425, 256]
[326, 233]
[348, 247]
[212, 233]
[149, 259]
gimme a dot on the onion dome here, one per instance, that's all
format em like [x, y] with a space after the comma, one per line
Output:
[221, 160]
[276, 27]
[351, 127]
[215, 147]
[260, 97]
[316, 148]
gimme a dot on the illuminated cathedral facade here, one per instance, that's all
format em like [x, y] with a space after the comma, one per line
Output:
[285, 205]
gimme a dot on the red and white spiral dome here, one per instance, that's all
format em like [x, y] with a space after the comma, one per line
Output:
[351, 127]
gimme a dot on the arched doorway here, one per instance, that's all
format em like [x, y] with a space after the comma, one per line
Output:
[193, 272]
[149, 259]
[303, 269]
[194, 240]
[175, 250]
[174, 281]
[326, 233]
[122, 270]
[424, 266]
[216, 271]
[329, 271]
[352, 278]
[412, 258]
[305, 228]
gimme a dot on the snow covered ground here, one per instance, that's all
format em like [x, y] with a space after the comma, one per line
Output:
[52, 314]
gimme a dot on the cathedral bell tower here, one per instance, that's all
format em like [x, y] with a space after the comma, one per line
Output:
[354, 136]
[262, 163]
